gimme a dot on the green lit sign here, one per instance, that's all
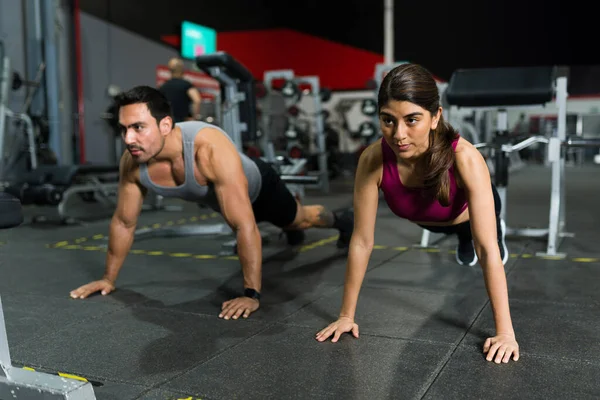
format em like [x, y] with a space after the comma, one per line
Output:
[197, 40]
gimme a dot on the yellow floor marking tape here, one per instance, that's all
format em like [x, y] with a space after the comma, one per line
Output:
[318, 243]
[100, 236]
[68, 376]
[585, 259]
[76, 245]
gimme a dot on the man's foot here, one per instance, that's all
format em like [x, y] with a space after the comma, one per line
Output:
[465, 253]
[344, 222]
[502, 243]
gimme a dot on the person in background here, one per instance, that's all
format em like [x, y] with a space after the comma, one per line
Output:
[184, 97]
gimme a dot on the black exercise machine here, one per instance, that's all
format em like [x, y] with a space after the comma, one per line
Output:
[238, 112]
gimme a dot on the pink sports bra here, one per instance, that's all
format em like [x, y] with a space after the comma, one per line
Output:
[411, 203]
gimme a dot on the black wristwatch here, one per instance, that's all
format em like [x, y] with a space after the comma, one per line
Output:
[253, 294]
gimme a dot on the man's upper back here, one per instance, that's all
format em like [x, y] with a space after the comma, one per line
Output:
[175, 90]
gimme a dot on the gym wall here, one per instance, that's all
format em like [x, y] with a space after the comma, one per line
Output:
[112, 56]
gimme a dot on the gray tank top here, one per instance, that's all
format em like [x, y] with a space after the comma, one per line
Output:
[191, 190]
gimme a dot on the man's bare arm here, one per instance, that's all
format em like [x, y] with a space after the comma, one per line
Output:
[124, 220]
[122, 230]
[221, 164]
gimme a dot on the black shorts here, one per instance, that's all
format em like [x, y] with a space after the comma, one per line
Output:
[275, 203]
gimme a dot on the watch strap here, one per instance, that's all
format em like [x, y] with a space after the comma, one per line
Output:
[253, 294]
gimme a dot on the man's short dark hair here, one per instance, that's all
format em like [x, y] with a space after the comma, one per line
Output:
[157, 103]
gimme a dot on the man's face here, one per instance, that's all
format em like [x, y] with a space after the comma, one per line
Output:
[143, 137]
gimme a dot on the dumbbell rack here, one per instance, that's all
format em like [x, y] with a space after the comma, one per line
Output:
[315, 94]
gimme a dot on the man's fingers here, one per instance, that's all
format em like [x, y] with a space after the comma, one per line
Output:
[77, 292]
[226, 313]
[246, 313]
[238, 312]
[355, 331]
[225, 308]
[83, 293]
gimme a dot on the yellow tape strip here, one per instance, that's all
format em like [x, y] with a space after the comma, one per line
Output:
[62, 374]
[99, 236]
[319, 243]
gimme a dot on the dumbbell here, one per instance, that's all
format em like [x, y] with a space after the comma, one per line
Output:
[366, 130]
[368, 107]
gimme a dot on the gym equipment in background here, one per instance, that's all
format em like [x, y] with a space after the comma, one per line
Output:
[300, 132]
[11, 155]
[20, 383]
[238, 105]
[504, 88]
[51, 185]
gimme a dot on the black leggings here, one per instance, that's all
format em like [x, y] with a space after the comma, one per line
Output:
[463, 230]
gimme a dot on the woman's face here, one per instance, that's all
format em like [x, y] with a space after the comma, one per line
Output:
[406, 126]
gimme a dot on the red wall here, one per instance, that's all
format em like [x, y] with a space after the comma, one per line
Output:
[338, 66]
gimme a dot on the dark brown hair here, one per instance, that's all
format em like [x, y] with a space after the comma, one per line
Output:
[415, 84]
[157, 103]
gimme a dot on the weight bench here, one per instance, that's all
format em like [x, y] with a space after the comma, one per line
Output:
[19, 383]
[55, 185]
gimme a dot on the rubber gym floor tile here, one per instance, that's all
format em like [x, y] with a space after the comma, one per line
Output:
[549, 329]
[141, 276]
[137, 345]
[583, 245]
[160, 394]
[185, 245]
[406, 314]
[441, 276]
[280, 297]
[469, 376]
[445, 254]
[120, 391]
[558, 281]
[305, 269]
[286, 362]
[38, 269]
[29, 317]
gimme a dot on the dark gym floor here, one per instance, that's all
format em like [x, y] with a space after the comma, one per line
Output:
[422, 317]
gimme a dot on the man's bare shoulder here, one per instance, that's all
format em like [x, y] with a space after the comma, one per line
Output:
[212, 141]
[128, 168]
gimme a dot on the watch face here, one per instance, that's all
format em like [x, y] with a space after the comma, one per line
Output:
[253, 294]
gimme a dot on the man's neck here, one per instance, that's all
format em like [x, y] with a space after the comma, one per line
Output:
[173, 148]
